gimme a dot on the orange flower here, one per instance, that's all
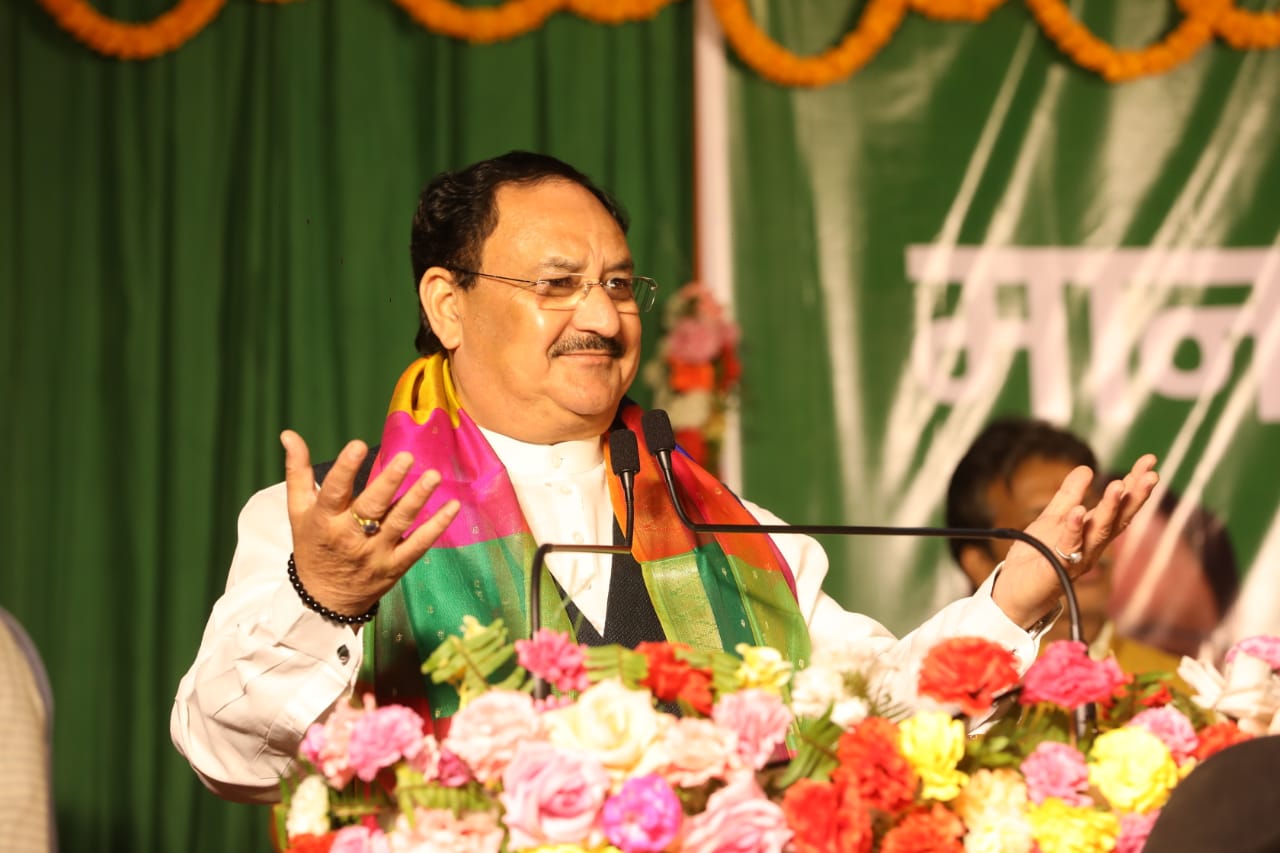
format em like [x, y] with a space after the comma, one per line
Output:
[934, 831]
[1218, 737]
[826, 818]
[691, 377]
[872, 765]
[969, 671]
[671, 678]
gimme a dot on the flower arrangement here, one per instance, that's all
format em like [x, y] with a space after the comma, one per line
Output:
[696, 370]
[602, 763]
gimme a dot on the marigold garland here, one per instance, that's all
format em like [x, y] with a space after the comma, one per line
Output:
[133, 41]
[1202, 20]
[955, 10]
[880, 19]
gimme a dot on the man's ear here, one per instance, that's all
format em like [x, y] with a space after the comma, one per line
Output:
[977, 564]
[438, 294]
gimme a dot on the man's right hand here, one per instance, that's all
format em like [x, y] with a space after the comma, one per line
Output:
[341, 566]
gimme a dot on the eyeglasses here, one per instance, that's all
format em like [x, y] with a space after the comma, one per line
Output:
[631, 294]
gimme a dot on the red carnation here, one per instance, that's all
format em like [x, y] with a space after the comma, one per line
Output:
[1218, 737]
[968, 671]
[1158, 698]
[671, 678]
[934, 831]
[826, 818]
[872, 765]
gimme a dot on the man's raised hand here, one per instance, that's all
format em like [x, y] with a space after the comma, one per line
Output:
[343, 565]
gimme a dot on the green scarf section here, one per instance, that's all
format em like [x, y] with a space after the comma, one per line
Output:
[709, 592]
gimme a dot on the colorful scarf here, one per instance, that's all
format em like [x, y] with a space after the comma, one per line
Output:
[710, 592]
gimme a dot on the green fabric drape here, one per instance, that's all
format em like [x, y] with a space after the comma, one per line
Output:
[202, 250]
[984, 139]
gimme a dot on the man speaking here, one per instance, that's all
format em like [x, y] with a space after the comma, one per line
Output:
[494, 442]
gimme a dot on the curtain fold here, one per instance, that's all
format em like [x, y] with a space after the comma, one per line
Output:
[204, 249]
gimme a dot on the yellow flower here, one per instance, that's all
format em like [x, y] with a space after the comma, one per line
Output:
[1133, 769]
[762, 668]
[1060, 828]
[934, 744]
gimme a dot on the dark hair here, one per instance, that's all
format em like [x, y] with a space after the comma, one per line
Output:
[995, 455]
[456, 214]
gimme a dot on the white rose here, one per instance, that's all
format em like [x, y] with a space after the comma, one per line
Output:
[613, 723]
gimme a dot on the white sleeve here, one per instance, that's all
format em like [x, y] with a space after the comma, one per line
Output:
[267, 667]
[831, 624]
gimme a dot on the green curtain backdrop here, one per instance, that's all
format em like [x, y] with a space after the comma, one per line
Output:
[971, 176]
[201, 250]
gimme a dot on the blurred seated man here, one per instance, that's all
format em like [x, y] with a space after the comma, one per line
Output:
[1175, 578]
[1007, 477]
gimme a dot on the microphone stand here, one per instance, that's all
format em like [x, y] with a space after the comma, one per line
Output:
[661, 440]
[624, 456]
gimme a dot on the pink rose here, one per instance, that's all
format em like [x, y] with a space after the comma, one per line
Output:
[644, 816]
[487, 731]
[426, 760]
[1173, 728]
[382, 737]
[441, 831]
[553, 796]
[1057, 770]
[1065, 676]
[1134, 829]
[738, 818]
[360, 839]
[693, 751]
[760, 719]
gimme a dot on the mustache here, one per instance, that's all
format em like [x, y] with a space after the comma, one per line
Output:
[581, 343]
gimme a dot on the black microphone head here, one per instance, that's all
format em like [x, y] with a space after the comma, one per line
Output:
[657, 431]
[624, 452]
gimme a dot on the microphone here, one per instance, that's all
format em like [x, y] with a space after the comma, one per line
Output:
[624, 458]
[661, 440]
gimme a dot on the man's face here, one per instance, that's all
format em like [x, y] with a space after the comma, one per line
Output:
[1019, 501]
[534, 374]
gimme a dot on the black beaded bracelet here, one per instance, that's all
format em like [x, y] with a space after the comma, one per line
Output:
[332, 616]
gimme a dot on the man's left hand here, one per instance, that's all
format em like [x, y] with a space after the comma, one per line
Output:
[1028, 586]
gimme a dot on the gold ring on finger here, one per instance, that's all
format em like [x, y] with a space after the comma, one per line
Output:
[368, 526]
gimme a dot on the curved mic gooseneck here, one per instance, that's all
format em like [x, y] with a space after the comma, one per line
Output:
[660, 438]
[624, 458]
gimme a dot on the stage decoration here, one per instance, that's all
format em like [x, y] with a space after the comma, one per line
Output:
[694, 373]
[764, 758]
[1202, 21]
